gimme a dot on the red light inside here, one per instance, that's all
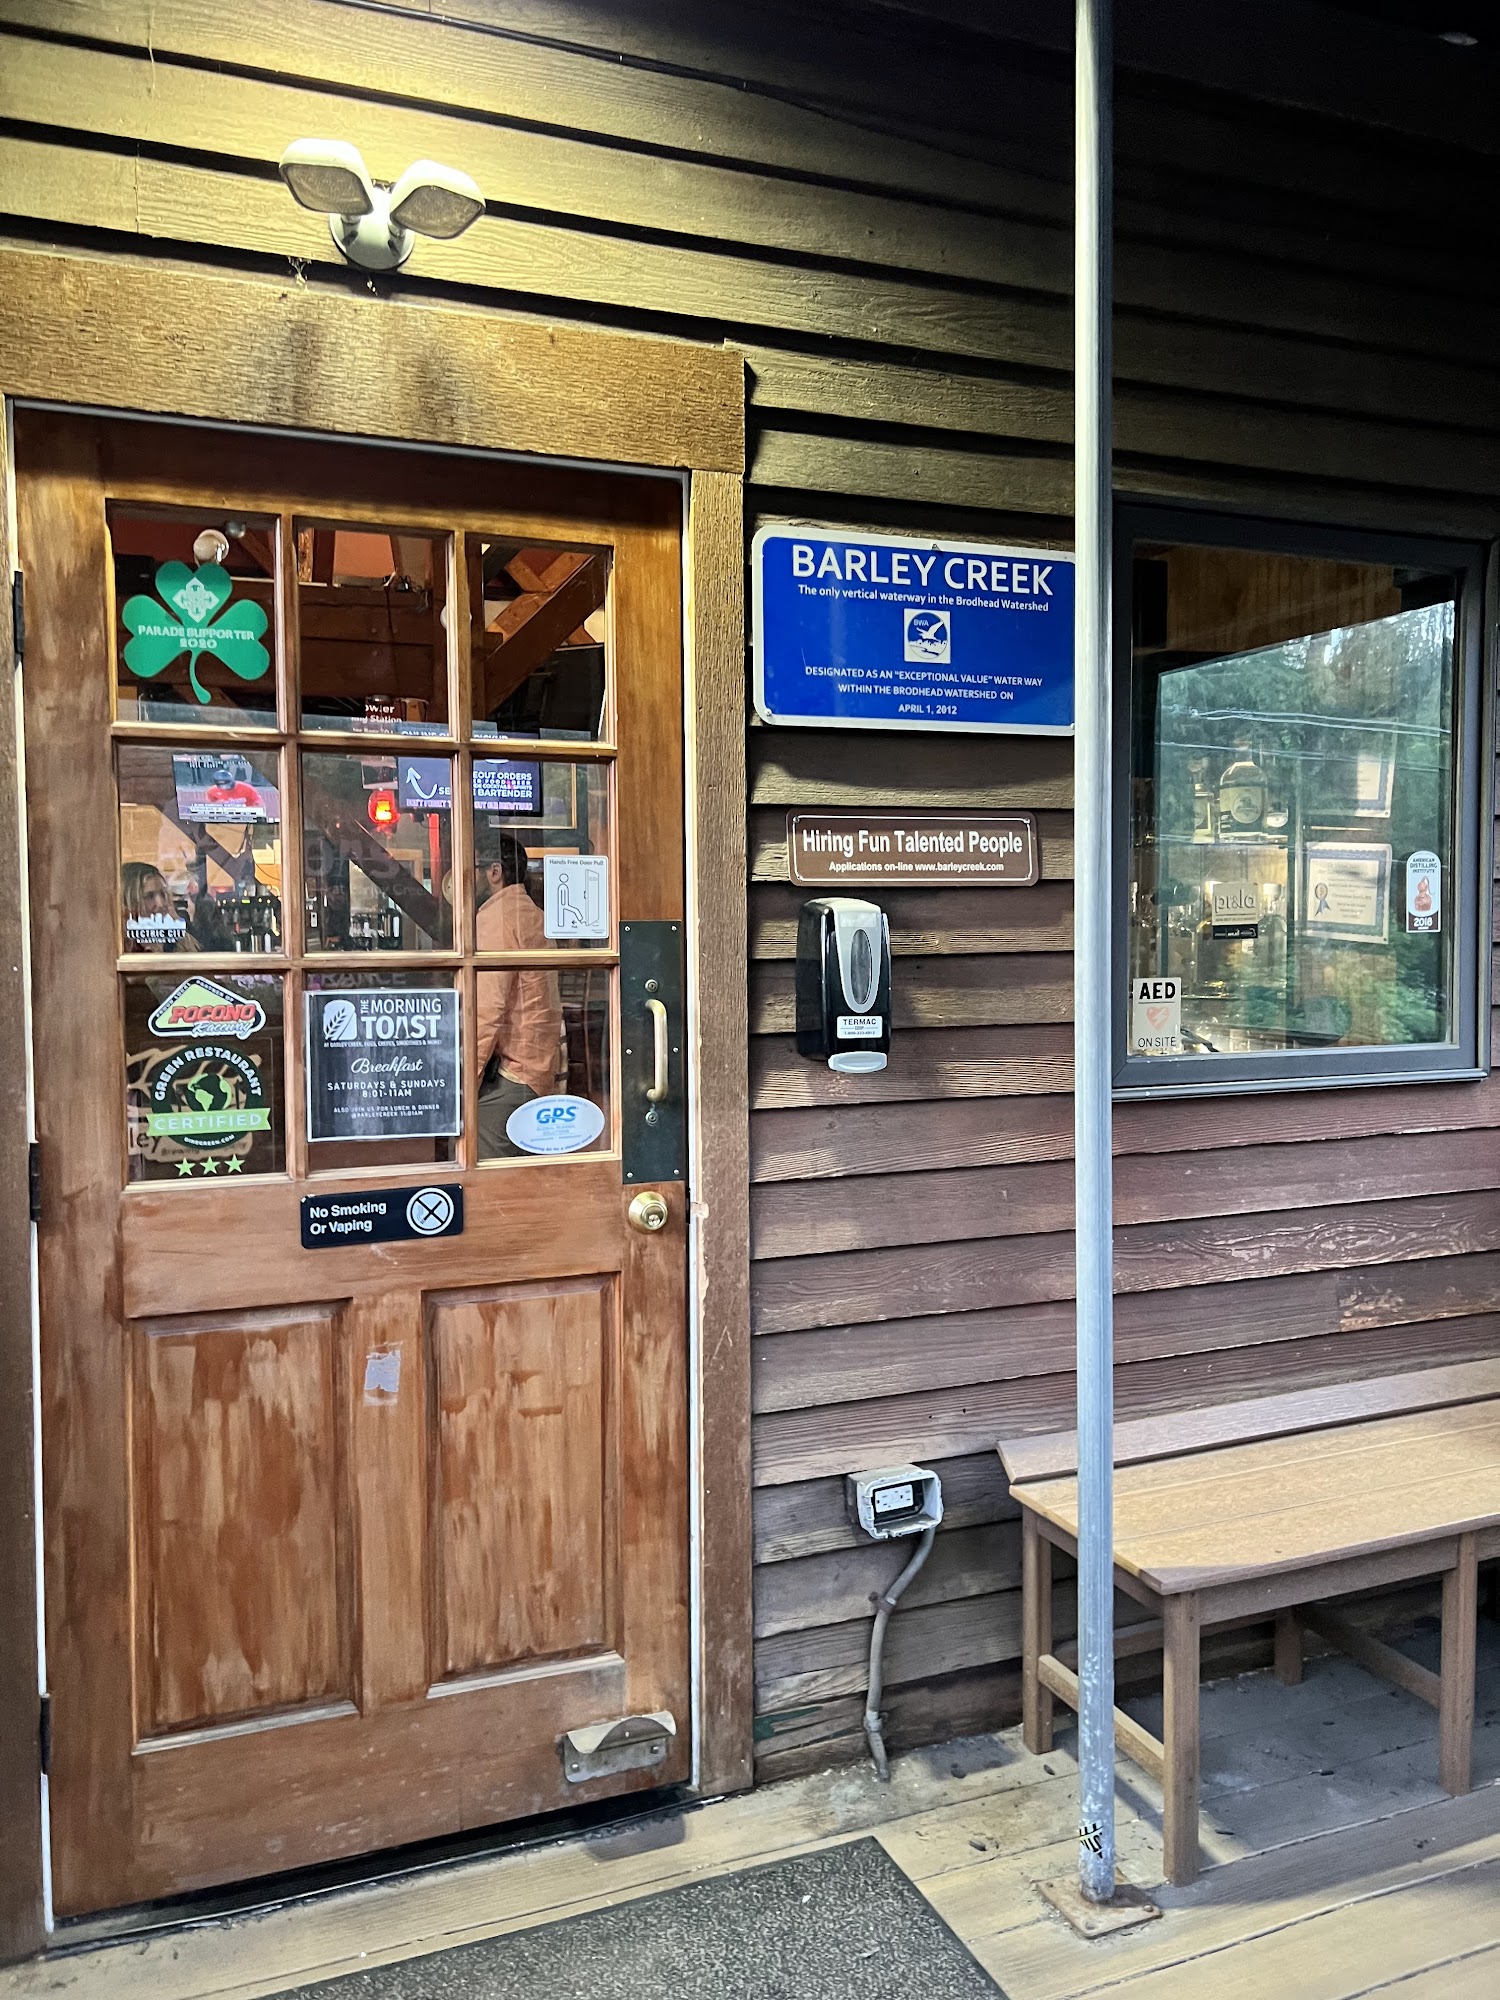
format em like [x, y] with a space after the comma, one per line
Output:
[383, 810]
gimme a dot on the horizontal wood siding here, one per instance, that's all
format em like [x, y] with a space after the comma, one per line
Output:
[875, 208]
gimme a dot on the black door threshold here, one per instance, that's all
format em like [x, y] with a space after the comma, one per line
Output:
[265, 1893]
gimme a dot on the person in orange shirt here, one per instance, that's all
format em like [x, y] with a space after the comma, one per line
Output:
[520, 1025]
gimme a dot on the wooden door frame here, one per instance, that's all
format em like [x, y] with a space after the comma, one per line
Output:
[168, 339]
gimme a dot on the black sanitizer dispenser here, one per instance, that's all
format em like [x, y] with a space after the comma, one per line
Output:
[844, 983]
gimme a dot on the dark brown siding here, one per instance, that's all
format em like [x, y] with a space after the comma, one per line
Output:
[876, 208]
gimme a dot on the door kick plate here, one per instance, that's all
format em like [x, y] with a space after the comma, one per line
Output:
[604, 1749]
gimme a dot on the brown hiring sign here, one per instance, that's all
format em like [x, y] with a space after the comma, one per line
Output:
[912, 850]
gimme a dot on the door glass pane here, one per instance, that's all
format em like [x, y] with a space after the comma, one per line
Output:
[538, 638]
[378, 842]
[373, 630]
[541, 855]
[203, 1077]
[200, 849]
[543, 1055]
[384, 1068]
[1293, 800]
[195, 617]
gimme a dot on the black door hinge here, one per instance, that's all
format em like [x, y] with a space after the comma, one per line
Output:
[44, 1734]
[34, 1181]
[18, 617]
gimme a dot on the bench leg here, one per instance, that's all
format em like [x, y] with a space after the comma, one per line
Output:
[1036, 1634]
[1288, 1649]
[1180, 1737]
[1456, 1697]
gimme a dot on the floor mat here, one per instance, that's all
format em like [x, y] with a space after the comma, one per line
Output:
[844, 1924]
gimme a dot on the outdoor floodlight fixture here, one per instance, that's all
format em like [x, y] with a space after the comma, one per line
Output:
[373, 222]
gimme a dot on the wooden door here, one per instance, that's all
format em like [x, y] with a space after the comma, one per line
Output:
[339, 760]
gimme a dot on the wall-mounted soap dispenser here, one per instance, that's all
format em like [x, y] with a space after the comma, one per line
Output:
[844, 983]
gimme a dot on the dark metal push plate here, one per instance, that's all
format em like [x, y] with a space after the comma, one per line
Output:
[654, 1127]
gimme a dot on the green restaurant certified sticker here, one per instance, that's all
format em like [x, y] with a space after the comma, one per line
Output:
[201, 625]
[206, 1094]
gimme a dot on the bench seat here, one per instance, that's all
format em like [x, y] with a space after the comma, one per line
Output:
[1250, 1510]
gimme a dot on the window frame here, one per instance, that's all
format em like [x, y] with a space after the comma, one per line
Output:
[1467, 1055]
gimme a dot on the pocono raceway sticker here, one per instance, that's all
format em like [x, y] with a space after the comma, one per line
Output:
[1156, 1017]
[554, 1124]
[200, 1005]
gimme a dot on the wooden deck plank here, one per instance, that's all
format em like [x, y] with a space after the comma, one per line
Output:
[1244, 1907]
[1344, 1953]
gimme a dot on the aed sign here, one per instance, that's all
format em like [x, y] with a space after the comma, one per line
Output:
[893, 632]
[931, 850]
[1156, 1017]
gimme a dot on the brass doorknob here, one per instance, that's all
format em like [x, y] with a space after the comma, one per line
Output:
[647, 1211]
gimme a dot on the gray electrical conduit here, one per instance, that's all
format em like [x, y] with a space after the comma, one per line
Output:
[885, 1604]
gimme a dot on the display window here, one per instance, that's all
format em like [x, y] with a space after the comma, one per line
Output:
[1300, 801]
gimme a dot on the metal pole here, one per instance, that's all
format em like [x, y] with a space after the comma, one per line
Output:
[1092, 1056]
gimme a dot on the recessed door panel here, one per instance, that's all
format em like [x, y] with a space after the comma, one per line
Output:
[524, 1464]
[243, 1596]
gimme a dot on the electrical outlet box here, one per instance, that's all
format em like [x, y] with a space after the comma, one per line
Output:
[894, 1500]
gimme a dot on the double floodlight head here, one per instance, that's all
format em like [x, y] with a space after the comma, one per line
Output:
[373, 224]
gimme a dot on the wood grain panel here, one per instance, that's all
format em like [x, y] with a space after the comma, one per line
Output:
[244, 1600]
[834, 1141]
[486, 381]
[816, 767]
[899, 1357]
[794, 1669]
[874, 1211]
[932, 920]
[961, 1062]
[1224, 430]
[978, 992]
[523, 1458]
[874, 1139]
[22, 1915]
[793, 1292]
[239, 118]
[814, 1590]
[520, 1229]
[817, 1443]
[811, 1516]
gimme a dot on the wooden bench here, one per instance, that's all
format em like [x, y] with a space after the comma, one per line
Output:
[1237, 1513]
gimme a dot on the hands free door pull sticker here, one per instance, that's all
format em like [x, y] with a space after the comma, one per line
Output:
[196, 596]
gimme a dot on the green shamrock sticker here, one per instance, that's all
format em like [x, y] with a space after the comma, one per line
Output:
[197, 596]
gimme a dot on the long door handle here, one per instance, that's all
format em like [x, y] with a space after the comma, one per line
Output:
[658, 1012]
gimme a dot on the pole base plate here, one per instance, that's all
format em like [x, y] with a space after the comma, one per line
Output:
[1127, 1908]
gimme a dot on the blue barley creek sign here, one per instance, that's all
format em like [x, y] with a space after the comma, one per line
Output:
[892, 632]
